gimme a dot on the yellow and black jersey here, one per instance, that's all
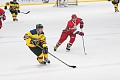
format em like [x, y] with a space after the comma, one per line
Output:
[12, 5]
[33, 35]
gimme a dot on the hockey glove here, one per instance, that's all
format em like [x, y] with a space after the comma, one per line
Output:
[34, 41]
[5, 7]
[45, 50]
[18, 11]
[80, 33]
[81, 24]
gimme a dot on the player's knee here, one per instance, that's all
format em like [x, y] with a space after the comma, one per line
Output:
[72, 39]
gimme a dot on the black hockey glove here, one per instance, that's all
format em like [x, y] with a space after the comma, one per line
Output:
[5, 7]
[45, 50]
[18, 11]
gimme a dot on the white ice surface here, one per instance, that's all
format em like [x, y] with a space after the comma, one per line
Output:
[102, 44]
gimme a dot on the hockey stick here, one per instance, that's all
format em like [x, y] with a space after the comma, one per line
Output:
[83, 44]
[25, 12]
[58, 58]
[62, 61]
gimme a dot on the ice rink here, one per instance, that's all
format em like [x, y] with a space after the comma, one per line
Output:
[102, 44]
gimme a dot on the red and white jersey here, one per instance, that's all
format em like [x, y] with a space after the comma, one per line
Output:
[72, 26]
[2, 13]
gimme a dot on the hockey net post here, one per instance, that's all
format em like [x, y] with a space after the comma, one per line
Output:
[65, 3]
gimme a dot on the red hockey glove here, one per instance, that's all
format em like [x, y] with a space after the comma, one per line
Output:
[81, 33]
[81, 24]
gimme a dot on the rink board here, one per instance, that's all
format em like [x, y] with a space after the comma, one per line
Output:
[39, 2]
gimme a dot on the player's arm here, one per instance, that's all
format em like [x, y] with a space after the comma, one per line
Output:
[44, 44]
[81, 24]
[18, 7]
[78, 32]
[43, 41]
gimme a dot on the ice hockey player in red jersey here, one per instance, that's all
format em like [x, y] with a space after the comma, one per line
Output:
[70, 30]
[2, 17]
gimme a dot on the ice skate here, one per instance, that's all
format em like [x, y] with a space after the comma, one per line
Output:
[68, 48]
[55, 48]
[15, 19]
[117, 10]
[41, 62]
[47, 60]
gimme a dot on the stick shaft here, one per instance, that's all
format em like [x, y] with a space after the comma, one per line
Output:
[58, 58]
[83, 44]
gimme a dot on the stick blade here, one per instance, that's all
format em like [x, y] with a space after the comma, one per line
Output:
[27, 12]
[73, 66]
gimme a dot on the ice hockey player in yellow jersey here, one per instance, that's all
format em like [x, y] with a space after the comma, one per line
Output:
[115, 3]
[13, 8]
[34, 38]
